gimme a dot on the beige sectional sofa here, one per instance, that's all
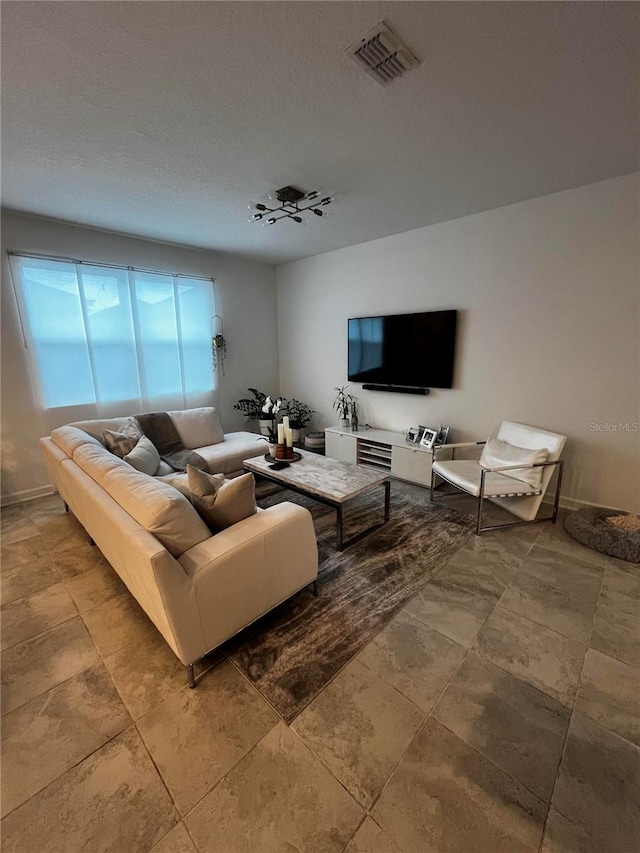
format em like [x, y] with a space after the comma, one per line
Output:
[198, 588]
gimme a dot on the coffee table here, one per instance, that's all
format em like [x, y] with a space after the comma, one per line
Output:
[328, 481]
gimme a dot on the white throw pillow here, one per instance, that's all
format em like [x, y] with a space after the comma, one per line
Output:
[219, 501]
[144, 457]
[501, 454]
[198, 427]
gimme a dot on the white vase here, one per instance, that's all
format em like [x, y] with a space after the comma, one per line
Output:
[265, 425]
[272, 450]
[295, 436]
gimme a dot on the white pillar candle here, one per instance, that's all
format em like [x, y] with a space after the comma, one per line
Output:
[285, 422]
[289, 435]
[280, 433]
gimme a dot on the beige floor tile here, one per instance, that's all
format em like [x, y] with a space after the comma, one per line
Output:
[554, 537]
[37, 665]
[279, 797]
[519, 728]
[486, 565]
[17, 529]
[95, 586]
[598, 787]
[177, 840]
[543, 658]
[569, 612]
[61, 532]
[359, 726]
[78, 558]
[196, 736]
[117, 623]
[147, 673]
[29, 616]
[562, 571]
[453, 610]
[617, 634]
[621, 590]
[22, 552]
[47, 505]
[113, 801]
[48, 735]
[414, 658]
[444, 796]
[562, 836]
[371, 839]
[609, 693]
[21, 580]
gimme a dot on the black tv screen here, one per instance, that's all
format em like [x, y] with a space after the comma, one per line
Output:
[410, 350]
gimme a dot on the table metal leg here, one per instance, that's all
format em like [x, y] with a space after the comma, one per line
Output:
[339, 526]
[387, 500]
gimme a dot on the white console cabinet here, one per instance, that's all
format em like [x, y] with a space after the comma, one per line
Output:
[380, 449]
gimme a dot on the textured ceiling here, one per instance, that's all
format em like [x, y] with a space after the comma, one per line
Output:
[166, 119]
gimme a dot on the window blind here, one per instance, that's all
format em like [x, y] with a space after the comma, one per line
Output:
[101, 335]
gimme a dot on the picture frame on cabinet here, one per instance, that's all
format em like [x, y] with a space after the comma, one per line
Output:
[443, 435]
[428, 438]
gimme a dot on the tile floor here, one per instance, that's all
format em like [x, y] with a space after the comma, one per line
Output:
[497, 713]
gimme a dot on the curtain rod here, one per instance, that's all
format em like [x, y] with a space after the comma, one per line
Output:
[40, 257]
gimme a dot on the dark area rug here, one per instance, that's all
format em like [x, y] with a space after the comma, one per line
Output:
[293, 651]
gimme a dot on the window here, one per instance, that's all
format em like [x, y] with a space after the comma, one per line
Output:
[100, 334]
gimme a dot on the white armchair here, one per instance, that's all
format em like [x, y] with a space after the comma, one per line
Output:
[514, 470]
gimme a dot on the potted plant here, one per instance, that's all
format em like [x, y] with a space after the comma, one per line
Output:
[342, 405]
[260, 407]
[299, 416]
[271, 436]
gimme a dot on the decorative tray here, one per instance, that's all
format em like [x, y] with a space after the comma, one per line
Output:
[269, 458]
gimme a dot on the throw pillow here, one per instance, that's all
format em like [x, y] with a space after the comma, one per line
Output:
[198, 427]
[222, 502]
[501, 454]
[144, 457]
[124, 440]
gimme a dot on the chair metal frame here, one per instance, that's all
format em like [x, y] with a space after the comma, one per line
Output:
[482, 497]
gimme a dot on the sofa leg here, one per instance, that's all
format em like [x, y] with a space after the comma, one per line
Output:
[191, 676]
[91, 542]
[314, 588]
[66, 506]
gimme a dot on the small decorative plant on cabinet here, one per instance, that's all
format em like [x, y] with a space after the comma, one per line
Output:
[342, 404]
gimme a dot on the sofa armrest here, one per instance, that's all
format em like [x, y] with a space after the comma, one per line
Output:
[242, 572]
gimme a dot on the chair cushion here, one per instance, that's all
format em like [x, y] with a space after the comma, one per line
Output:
[501, 454]
[465, 474]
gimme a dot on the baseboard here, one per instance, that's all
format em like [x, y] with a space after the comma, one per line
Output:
[574, 503]
[27, 495]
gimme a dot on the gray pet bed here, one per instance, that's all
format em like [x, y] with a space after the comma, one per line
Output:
[591, 528]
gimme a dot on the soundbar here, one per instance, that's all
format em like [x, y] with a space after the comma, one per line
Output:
[399, 389]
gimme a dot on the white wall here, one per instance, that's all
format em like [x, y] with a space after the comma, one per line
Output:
[548, 295]
[246, 297]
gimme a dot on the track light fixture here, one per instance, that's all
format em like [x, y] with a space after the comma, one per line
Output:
[289, 207]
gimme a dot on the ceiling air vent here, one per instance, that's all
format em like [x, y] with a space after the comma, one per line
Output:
[382, 55]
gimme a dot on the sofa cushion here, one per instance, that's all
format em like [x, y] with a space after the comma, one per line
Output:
[222, 503]
[198, 427]
[156, 506]
[67, 438]
[227, 456]
[144, 456]
[501, 454]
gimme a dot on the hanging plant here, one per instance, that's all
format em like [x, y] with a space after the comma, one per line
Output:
[218, 344]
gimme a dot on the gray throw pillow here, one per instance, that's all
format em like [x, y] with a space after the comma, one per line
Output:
[124, 440]
[144, 457]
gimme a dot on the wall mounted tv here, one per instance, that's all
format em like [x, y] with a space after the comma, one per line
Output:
[403, 350]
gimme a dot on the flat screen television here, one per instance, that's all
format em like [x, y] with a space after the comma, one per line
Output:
[408, 350]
